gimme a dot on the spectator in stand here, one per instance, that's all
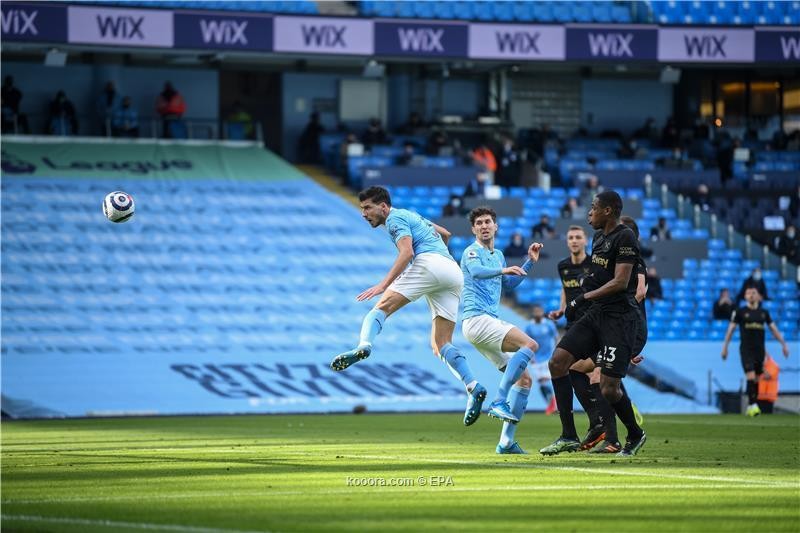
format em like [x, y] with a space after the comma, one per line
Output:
[508, 165]
[413, 126]
[125, 120]
[676, 160]
[702, 197]
[109, 102]
[660, 232]
[436, 142]
[725, 148]
[573, 210]
[407, 157]
[788, 244]
[170, 107]
[768, 386]
[755, 281]
[13, 120]
[543, 230]
[591, 188]
[723, 307]
[653, 282]
[630, 149]
[484, 159]
[516, 248]
[454, 207]
[374, 134]
[670, 134]
[308, 143]
[62, 119]
[647, 131]
[477, 185]
[240, 115]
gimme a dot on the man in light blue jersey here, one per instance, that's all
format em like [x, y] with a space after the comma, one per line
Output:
[545, 333]
[433, 273]
[485, 276]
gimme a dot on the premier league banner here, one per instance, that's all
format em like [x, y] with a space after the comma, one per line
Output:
[706, 45]
[778, 44]
[324, 35]
[421, 39]
[34, 22]
[516, 41]
[227, 32]
[122, 27]
[613, 43]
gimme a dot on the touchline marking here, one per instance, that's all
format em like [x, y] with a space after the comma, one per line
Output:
[114, 523]
[580, 469]
[414, 488]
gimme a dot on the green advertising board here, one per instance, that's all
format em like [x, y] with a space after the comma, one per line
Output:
[134, 159]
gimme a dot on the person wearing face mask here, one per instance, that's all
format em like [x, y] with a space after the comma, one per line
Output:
[454, 208]
[508, 165]
[788, 244]
[517, 246]
[63, 119]
[755, 281]
[125, 120]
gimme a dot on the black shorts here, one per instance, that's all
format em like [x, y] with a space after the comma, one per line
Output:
[753, 360]
[612, 337]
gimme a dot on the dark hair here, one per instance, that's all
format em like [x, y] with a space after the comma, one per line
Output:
[481, 211]
[628, 221]
[576, 228]
[376, 195]
[610, 199]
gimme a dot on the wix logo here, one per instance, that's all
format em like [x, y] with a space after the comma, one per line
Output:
[790, 46]
[611, 44]
[19, 22]
[421, 39]
[328, 36]
[224, 31]
[518, 42]
[120, 27]
[710, 46]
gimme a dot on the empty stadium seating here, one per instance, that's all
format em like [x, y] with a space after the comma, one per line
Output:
[289, 7]
[727, 13]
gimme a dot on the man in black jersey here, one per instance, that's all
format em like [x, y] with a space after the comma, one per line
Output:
[752, 319]
[612, 326]
[573, 270]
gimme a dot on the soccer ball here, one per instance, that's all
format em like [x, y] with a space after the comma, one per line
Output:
[118, 206]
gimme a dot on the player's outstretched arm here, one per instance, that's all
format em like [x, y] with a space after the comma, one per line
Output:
[776, 332]
[443, 232]
[622, 273]
[727, 340]
[405, 252]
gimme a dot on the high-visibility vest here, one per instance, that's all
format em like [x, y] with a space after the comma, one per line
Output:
[768, 388]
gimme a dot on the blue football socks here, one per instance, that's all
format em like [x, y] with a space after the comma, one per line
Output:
[514, 369]
[371, 326]
[457, 363]
[518, 400]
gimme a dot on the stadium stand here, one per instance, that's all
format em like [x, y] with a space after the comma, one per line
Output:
[298, 7]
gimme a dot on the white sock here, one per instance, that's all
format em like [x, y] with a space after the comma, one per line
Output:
[471, 385]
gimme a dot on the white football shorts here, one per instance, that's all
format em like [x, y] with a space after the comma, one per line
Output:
[438, 278]
[541, 371]
[486, 333]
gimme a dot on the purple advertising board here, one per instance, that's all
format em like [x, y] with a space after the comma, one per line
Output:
[228, 32]
[324, 35]
[122, 27]
[615, 43]
[516, 41]
[34, 22]
[421, 39]
[778, 44]
[706, 45]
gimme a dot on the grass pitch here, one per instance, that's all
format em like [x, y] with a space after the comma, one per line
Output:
[393, 473]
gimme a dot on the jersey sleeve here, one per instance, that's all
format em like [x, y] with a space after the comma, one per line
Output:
[627, 249]
[471, 264]
[398, 228]
[767, 317]
[735, 316]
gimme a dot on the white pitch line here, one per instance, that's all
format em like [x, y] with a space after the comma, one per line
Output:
[117, 524]
[393, 489]
[581, 469]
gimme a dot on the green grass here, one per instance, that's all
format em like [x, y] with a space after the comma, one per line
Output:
[289, 473]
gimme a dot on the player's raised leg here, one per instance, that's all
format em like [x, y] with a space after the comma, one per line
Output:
[370, 327]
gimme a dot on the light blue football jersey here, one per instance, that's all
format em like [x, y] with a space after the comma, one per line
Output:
[545, 333]
[424, 238]
[481, 296]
